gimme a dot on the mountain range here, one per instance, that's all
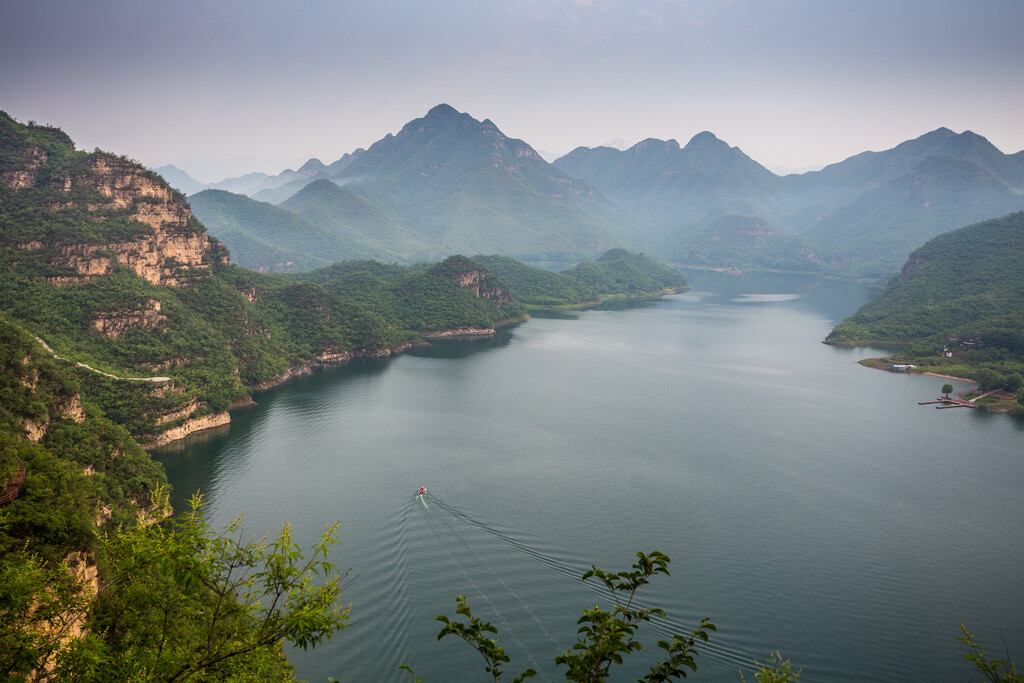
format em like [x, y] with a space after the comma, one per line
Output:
[709, 204]
[449, 183]
[444, 184]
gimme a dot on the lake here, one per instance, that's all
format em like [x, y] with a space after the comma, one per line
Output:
[808, 504]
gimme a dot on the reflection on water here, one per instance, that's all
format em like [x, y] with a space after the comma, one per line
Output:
[830, 298]
[463, 347]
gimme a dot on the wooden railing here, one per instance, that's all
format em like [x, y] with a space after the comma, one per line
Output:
[13, 488]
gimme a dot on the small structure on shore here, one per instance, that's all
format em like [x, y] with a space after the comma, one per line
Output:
[902, 368]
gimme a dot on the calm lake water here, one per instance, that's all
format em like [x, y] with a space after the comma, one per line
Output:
[808, 504]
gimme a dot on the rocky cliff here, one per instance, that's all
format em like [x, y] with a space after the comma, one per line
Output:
[483, 285]
[100, 211]
[471, 276]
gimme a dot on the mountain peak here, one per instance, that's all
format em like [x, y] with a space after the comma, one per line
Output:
[442, 111]
[312, 167]
[705, 136]
[967, 145]
[653, 145]
[706, 141]
[438, 118]
[940, 132]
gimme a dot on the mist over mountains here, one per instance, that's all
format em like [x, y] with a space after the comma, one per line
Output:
[448, 183]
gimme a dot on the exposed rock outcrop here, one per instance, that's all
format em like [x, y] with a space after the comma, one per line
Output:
[25, 176]
[69, 408]
[190, 427]
[168, 248]
[460, 332]
[70, 625]
[477, 282]
[114, 325]
[471, 275]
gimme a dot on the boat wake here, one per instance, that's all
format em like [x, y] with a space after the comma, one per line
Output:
[463, 535]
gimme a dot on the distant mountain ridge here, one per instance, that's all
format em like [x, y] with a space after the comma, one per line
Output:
[861, 216]
[448, 183]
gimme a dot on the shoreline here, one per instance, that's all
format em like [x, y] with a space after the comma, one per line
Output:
[1002, 407]
[958, 379]
[883, 364]
[214, 420]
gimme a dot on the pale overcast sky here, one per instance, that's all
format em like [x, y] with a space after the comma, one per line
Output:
[793, 83]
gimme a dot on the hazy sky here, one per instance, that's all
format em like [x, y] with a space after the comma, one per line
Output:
[794, 83]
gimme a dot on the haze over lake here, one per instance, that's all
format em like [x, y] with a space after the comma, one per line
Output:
[808, 504]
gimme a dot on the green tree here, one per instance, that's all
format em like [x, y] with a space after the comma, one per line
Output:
[987, 379]
[1013, 382]
[991, 670]
[605, 636]
[181, 602]
[947, 389]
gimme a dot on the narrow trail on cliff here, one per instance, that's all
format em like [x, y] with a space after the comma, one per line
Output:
[99, 372]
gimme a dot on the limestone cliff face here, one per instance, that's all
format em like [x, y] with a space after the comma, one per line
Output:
[25, 176]
[69, 407]
[169, 248]
[470, 276]
[147, 317]
[477, 282]
[196, 424]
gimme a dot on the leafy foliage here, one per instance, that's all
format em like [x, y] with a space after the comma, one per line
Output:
[775, 670]
[474, 631]
[83, 471]
[605, 636]
[991, 670]
[185, 602]
[39, 605]
[174, 602]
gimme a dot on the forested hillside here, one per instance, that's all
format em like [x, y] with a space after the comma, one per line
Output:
[966, 284]
[618, 271]
[107, 265]
[262, 236]
[538, 287]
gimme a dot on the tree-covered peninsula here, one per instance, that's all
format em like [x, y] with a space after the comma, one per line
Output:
[956, 307]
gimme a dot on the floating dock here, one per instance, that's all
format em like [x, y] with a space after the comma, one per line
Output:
[949, 403]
